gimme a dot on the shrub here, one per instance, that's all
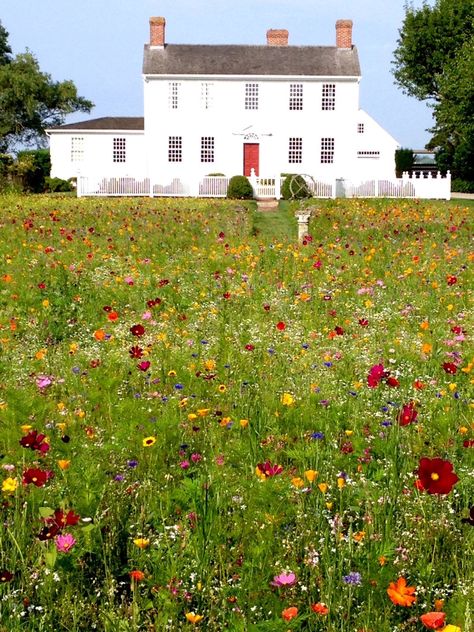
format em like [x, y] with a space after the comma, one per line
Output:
[239, 188]
[294, 187]
[57, 185]
[462, 186]
[404, 159]
[32, 167]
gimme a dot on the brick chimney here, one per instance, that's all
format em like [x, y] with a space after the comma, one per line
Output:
[344, 33]
[277, 37]
[157, 32]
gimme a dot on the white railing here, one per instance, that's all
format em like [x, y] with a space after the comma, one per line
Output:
[423, 186]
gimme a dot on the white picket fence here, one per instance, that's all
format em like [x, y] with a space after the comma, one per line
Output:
[423, 186]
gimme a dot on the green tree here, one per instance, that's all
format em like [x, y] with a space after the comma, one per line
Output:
[30, 100]
[434, 61]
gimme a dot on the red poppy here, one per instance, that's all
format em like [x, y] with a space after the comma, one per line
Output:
[320, 608]
[137, 576]
[376, 374]
[450, 368]
[289, 613]
[35, 441]
[137, 330]
[436, 475]
[35, 476]
[136, 352]
[408, 414]
[281, 326]
[112, 316]
[433, 620]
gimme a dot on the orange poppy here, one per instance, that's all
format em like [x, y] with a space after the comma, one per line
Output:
[289, 613]
[433, 620]
[401, 594]
[320, 608]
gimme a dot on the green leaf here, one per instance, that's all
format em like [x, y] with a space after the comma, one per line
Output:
[45, 512]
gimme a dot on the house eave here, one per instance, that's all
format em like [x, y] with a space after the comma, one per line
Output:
[296, 78]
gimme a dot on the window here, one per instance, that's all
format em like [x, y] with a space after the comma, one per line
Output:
[360, 128]
[295, 150]
[173, 95]
[296, 96]
[206, 95]
[251, 96]
[119, 150]
[328, 101]
[368, 154]
[175, 149]
[327, 150]
[77, 149]
[207, 149]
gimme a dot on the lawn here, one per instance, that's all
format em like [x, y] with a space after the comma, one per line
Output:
[206, 425]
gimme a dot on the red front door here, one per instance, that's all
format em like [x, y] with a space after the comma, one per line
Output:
[251, 154]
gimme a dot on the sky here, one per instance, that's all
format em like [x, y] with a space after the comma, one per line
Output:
[98, 44]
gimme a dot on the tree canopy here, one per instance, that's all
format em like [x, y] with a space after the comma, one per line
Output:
[434, 61]
[30, 101]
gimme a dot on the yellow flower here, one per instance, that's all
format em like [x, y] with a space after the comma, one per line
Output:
[209, 365]
[194, 618]
[39, 355]
[287, 399]
[452, 628]
[341, 482]
[425, 325]
[426, 347]
[142, 543]
[25, 428]
[9, 485]
[222, 388]
[45, 303]
[171, 373]
[297, 481]
[148, 441]
[64, 464]
[202, 412]
[244, 423]
[311, 475]
[192, 416]
[323, 487]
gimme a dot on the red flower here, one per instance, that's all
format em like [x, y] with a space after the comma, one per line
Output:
[60, 519]
[450, 368]
[35, 441]
[5, 576]
[268, 470]
[433, 620]
[468, 443]
[144, 366]
[266, 307]
[281, 326]
[137, 330]
[376, 373]
[153, 302]
[319, 608]
[137, 576]
[163, 282]
[136, 352]
[408, 414]
[392, 381]
[249, 347]
[363, 322]
[436, 475]
[289, 613]
[451, 279]
[339, 330]
[457, 330]
[35, 476]
[226, 295]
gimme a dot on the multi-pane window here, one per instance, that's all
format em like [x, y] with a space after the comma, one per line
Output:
[119, 153]
[77, 149]
[251, 96]
[296, 96]
[295, 150]
[206, 95]
[173, 95]
[175, 149]
[368, 154]
[327, 150]
[207, 149]
[360, 128]
[328, 101]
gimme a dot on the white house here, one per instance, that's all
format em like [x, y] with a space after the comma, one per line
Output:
[231, 109]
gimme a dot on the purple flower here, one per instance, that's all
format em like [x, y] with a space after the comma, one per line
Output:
[354, 579]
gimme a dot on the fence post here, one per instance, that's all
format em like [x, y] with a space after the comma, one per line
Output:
[303, 224]
[79, 185]
[376, 191]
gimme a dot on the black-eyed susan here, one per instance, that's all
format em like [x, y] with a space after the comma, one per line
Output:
[222, 388]
[148, 441]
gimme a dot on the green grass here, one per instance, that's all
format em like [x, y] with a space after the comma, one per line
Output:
[254, 351]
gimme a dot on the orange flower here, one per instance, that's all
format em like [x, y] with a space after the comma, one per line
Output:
[401, 594]
[320, 608]
[433, 620]
[137, 576]
[194, 618]
[99, 334]
[289, 613]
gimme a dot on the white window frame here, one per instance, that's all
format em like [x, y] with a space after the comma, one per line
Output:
[328, 96]
[207, 148]
[296, 96]
[175, 149]
[173, 94]
[295, 150]
[251, 96]
[368, 154]
[119, 149]
[206, 95]
[77, 148]
[360, 128]
[327, 151]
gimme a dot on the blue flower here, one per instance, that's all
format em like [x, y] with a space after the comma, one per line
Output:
[354, 579]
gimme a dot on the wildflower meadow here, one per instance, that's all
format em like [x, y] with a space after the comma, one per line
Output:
[206, 425]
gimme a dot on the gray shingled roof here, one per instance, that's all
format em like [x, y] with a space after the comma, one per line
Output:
[107, 122]
[179, 59]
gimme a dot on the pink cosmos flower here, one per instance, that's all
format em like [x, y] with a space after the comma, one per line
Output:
[284, 579]
[64, 543]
